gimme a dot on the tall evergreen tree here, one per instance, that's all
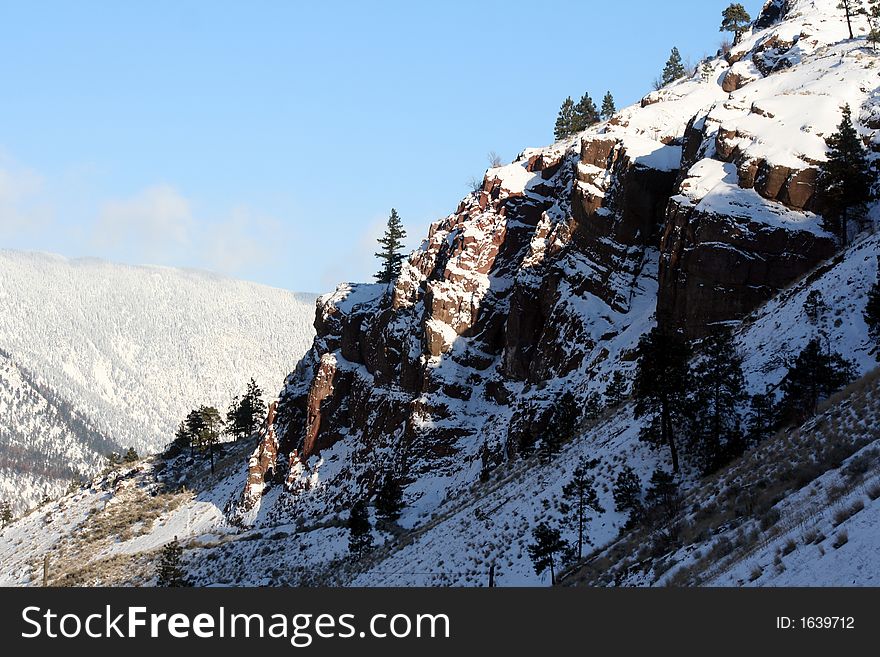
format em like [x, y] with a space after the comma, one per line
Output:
[718, 391]
[585, 114]
[873, 13]
[616, 391]
[592, 407]
[846, 177]
[5, 513]
[234, 419]
[663, 499]
[609, 109]
[628, 495]
[850, 8]
[674, 69]
[735, 19]
[565, 120]
[661, 385]
[169, 572]
[578, 497]
[761, 419]
[360, 532]
[181, 441]
[246, 414]
[389, 499]
[561, 427]
[872, 309]
[390, 255]
[256, 406]
[813, 377]
[543, 552]
[209, 434]
[194, 426]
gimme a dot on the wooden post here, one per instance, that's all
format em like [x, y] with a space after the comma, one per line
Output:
[492, 576]
[45, 570]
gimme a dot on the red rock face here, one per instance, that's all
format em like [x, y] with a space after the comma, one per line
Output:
[263, 462]
[715, 268]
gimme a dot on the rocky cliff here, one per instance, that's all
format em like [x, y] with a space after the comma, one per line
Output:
[692, 208]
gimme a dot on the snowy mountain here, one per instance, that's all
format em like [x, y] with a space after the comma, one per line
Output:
[697, 207]
[127, 351]
[44, 443]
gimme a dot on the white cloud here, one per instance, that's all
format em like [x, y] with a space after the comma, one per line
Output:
[21, 208]
[241, 241]
[157, 224]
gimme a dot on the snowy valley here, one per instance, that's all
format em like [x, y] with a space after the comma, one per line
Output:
[699, 208]
[100, 357]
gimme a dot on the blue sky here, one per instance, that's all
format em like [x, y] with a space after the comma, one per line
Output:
[269, 140]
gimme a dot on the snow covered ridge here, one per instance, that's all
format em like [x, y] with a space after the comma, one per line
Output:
[44, 442]
[695, 207]
[134, 348]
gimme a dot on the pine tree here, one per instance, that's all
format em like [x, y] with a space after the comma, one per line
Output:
[761, 417]
[628, 495]
[872, 11]
[360, 533]
[5, 513]
[592, 407]
[548, 543]
[661, 385]
[234, 419]
[561, 428]
[170, 571]
[565, 120]
[872, 309]
[851, 9]
[131, 455]
[246, 414]
[256, 406]
[736, 20]
[608, 107]
[616, 391]
[585, 114]
[674, 69]
[718, 390]
[815, 307]
[485, 462]
[182, 440]
[390, 255]
[209, 434]
[813, 377]
[578, 497]
[194, 426]
[706, 71]
[525, 437]
[662, 498]
[846, 177]
[389, 499]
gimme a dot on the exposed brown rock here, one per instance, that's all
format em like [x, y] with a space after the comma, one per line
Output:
[716, 268]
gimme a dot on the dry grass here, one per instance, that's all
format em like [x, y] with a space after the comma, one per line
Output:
[129, 516]
[737, 507]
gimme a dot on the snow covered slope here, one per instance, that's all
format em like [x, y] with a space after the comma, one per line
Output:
[697, 206]
[44, 443]
[134, 348]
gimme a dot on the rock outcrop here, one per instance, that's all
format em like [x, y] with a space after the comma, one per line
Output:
[691, 208]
